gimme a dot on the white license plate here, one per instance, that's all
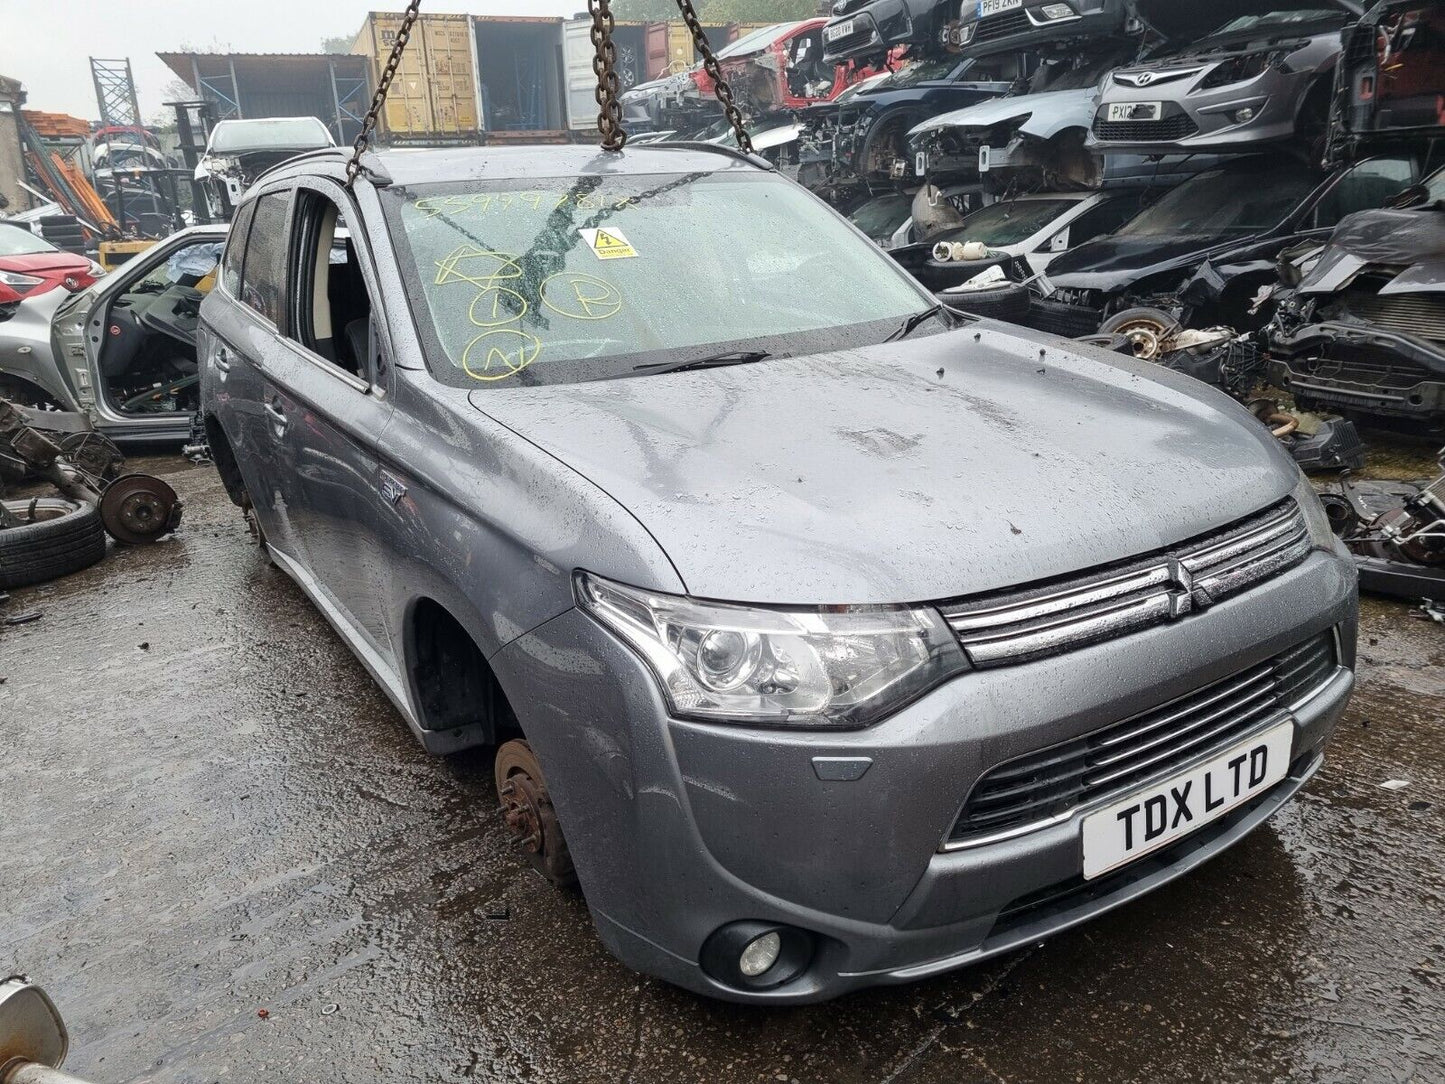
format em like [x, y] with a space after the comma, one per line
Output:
[993, 7]
[1154, 818]
[838, 30]
[1135, 110]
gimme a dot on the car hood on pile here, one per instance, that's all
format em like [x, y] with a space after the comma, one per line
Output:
[1190, 20]
[1047, 113]
[924, 469]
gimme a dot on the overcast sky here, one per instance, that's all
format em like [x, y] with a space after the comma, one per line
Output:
[47, 44]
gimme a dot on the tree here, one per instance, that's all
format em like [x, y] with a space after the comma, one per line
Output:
[717, 11]
[340, 44]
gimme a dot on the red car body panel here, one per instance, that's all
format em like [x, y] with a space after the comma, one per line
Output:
[52, 268]
[762, 75]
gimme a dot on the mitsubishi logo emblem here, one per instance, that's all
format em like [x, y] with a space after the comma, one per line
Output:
[1181, 593]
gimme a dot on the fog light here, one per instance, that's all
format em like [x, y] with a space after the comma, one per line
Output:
[1243, 116]
[1056, 11]
[761, 954]
[757, 955]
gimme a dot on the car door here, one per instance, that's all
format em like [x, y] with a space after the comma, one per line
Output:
[241, 338]
[326, 407]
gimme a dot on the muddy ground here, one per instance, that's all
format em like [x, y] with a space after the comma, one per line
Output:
[227, 859]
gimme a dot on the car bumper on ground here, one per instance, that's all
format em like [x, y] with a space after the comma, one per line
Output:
[680, 829]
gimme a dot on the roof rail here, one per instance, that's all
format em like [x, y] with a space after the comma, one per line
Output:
[714, 148]
[319, 152]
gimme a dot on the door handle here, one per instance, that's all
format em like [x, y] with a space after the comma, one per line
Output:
[223, 359]
[277, 416]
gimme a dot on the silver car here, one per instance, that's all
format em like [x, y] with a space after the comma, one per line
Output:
[1262, 75]
[827, 638]
[122, 351]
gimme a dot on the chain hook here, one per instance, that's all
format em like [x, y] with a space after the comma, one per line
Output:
[720, 85]
[383, 84]
[609, 109]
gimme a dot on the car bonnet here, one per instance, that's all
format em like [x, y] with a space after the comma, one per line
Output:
[923, 469]
[1189, 20]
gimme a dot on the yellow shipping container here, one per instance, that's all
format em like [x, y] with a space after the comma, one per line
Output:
[680, 52]
[435, 89]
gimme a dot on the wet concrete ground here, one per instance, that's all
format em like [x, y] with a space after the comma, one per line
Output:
[227, 859]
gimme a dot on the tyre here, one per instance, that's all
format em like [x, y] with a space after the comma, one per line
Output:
[531, 819]
[55, 538]
[1009, 302]
[1147, 328]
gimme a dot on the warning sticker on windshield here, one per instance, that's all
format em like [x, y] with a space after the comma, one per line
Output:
[608, 244]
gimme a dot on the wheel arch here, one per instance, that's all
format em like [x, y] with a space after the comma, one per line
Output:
[451, 684]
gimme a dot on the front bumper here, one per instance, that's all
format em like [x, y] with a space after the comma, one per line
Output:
[678, 828]
[1348, 366]
[1193, 121]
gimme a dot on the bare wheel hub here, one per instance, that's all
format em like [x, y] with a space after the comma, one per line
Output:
[529, 814]
[137, 508]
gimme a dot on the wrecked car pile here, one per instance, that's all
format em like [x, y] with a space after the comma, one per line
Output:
[1364, 330]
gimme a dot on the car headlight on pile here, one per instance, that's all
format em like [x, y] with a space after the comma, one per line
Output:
[827, 666]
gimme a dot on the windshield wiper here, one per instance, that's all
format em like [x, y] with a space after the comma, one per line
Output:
[711, 361]
[909, 326]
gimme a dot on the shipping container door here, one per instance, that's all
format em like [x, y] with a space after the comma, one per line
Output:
[577, 54]
[408, 105]
[656, 49]
[680, 53]
[453, 91]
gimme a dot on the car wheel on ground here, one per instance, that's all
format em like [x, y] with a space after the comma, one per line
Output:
[55, 537]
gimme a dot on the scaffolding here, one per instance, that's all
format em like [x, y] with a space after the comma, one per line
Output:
[115, 93]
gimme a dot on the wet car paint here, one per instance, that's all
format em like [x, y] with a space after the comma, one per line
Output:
[228, 816]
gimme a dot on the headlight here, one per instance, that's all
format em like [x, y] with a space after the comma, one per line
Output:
[843, 666]
[1322, 537]
[1236, 70]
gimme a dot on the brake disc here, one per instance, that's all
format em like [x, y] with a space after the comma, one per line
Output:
[139, 508]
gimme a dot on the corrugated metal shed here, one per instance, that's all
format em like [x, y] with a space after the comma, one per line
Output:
[333, 87]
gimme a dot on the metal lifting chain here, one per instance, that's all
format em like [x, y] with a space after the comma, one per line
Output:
[609, 116]
[383, 84]
[720, 85]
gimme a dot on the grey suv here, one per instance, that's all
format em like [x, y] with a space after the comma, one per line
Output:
[828, 638]
[1230, 79]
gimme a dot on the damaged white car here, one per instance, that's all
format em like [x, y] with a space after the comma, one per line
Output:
[239, 151]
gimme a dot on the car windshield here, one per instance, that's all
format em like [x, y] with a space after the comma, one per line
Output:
[1271, 20]
[921, 71]
[18, 241]
[882, 216]
[1221, 201]
[1009, 222]
[758, 39]
[283, 132]
[548, 281]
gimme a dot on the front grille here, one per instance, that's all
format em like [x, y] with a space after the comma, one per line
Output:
[1167, 130]
[863, 35]
[1041, 788]
[1420, 315]
[1063, 615]
[1001, 26]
